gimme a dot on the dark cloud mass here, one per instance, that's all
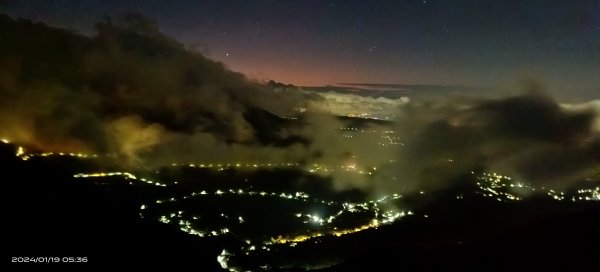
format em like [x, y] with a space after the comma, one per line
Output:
[530, 137]
[132, 91]
[64, 90]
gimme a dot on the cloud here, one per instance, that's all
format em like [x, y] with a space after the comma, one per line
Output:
[131, 136]
[351, 104]
[132, 91]
[591, 106]
[530, 137]
[75, 92]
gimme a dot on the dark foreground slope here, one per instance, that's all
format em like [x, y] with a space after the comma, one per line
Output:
[47, 213]
[522, 237]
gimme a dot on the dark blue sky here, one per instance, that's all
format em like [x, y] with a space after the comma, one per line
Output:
[467, 42]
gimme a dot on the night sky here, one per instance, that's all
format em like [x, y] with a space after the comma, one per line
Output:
[485, 43]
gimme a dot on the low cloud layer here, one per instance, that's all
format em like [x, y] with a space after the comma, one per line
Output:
[356, 105]
[134, 92]
[529, 137]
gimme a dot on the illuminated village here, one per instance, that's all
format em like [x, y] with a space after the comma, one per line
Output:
[309, 218]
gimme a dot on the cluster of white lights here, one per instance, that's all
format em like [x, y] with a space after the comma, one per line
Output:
[493, 185]
[48, 154]
[380, 218]
[505, 189]
[237, 165]
[126, 175]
